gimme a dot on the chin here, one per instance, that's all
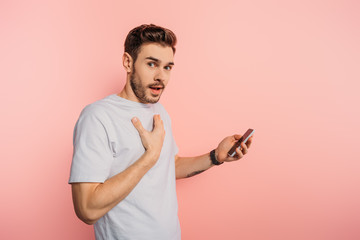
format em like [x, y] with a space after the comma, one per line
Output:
[150, 99]
[154, 100]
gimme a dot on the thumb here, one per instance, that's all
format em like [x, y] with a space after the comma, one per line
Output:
[237, 136]
[137, 124]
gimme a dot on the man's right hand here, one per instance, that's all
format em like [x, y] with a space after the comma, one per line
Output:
[152, 141]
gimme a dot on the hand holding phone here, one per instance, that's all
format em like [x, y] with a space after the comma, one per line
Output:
[244, 139]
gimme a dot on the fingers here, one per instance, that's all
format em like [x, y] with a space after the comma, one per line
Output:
[157, 120]
[158, 123]
[247, 144]
[244, 148]
[137, 124]
[239, 153]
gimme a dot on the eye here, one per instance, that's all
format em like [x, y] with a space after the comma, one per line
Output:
[151, 64]
[168, 68]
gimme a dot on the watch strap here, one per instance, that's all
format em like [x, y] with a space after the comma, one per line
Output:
[213, 158]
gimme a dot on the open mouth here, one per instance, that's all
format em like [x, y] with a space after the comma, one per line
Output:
[155, 90]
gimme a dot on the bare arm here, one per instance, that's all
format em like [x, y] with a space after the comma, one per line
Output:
[94, 200]
[190, 166]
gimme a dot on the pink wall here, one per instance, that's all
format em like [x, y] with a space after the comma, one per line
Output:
[289, 69]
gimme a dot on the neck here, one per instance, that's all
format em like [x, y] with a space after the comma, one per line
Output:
[128, 93]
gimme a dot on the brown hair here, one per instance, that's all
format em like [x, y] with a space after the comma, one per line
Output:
[148, 33]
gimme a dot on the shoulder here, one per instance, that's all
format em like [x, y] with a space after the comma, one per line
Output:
[97, 111]
[97, 108]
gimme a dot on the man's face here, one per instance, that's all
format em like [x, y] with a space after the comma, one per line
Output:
[151, 72]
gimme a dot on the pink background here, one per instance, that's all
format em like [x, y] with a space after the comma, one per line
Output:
[289, 69]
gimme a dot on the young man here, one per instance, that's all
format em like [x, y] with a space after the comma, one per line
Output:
[125, 160]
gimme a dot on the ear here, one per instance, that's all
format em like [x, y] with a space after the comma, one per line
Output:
[127, 62]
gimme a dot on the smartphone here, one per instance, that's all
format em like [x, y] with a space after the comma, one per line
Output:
[244, 139]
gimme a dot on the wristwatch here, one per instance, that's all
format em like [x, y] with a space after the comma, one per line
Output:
[213, 158]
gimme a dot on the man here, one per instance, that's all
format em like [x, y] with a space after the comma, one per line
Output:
[125, 160]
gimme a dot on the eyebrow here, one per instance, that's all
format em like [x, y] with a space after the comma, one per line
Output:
[157, 60]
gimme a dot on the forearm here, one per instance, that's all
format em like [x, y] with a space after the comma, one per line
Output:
[92, 201]
[190, 166]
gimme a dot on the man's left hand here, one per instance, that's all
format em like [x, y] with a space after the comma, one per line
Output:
[221, 152]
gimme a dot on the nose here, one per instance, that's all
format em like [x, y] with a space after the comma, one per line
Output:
[160, 75]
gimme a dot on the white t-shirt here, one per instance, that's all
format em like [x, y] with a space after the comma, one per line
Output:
[105, 144]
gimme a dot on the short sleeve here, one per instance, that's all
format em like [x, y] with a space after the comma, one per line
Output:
[92, 156]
